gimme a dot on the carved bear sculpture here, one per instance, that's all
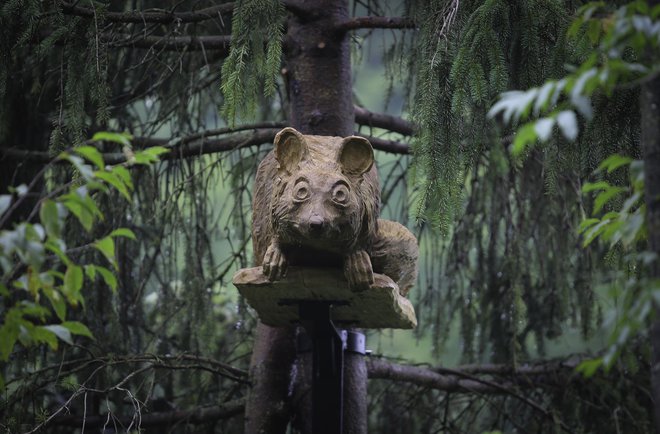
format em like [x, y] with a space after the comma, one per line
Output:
[316, 203]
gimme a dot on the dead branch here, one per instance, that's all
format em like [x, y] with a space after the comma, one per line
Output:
[390, 146]
[194, 416]
[385, 121]
[381, 369]
[170, 43]
[375, 23]
[153, 16]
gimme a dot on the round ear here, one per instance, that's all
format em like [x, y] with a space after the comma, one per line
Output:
[290, 149]
[356, 156]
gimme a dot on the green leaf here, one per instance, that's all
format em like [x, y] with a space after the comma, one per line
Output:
[114, 180]
[8, 337]
[108, 277]
[593, 186]
[605, 196]
[123, 232]
[525, 136]
[73, 282]
[50, 218]
[57, 301]
[613, 162]
[589, 367]
[91, 154]
[124, 175]
[587, 223]
[61, 332]
[568, 126]
[57, 246]
[123, 139]
[5, 201]
[41, 334]
[78, 328]
[90, 271]
[150, 155]
[106, 245]
[83, 215]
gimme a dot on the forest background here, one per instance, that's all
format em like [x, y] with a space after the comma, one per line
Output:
[538, 261]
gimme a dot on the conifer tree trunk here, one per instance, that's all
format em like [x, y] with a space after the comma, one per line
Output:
[650, 142]
[317, 72]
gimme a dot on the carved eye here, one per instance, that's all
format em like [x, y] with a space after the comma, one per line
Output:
[340, 194]
[301, 191]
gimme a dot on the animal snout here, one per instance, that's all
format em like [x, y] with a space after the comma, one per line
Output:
[316, 224]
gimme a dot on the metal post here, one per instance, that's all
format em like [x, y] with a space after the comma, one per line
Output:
[327, 367]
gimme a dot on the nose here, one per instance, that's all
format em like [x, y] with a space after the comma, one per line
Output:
[316, 223]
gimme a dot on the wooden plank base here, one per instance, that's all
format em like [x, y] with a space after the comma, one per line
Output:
[276, 303]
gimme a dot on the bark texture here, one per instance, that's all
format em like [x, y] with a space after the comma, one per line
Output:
[650, 142]
[317, 72]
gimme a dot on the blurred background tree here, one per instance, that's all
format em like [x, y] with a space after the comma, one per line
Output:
[509, 300]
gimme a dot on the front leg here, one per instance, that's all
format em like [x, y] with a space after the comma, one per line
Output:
[358, 271]
[274, 263]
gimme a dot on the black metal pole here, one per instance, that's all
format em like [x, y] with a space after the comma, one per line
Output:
[327, 367]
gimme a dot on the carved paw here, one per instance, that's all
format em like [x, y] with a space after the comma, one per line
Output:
[275, 263]
[358, 271]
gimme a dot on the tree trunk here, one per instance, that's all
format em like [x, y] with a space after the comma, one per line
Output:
[317, 72]
[650, 142]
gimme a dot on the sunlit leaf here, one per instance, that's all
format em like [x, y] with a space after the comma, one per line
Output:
[106, 246]
[91, 154]
[77, 328]
[123, 139]
[123, 232]
[61, 332]
[108, 276]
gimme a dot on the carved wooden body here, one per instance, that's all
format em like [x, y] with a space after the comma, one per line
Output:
[316, 203]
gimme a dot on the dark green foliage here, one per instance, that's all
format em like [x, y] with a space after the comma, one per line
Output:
[253, 64]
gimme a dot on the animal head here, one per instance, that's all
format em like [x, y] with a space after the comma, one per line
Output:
[326, 192]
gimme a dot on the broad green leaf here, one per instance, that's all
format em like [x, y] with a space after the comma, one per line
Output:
[605, 196]
[123, 232]
[123, 139]
[124, 175]
[568, 126]
[77, 328]
[543, 128]
[41, 334]
[61, 332]
[3, 290]
[106, 245]
[524, 137]
[57, 301]
[58, 247]
[108, 277]
[8, 337]
[593, 186]
[91, 154]
[613, 162]
[85, 218]
[587, 223]
[114, 180]
[5, 201]
[589, 367]
[50, 218]
[90, 271]
[73, 282]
